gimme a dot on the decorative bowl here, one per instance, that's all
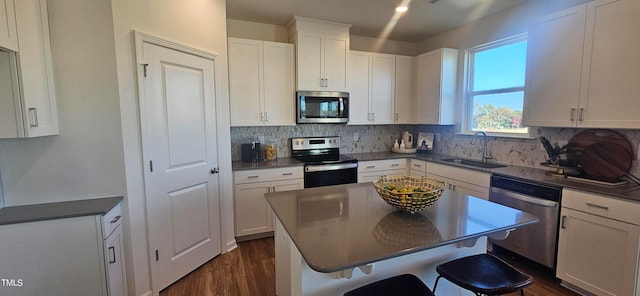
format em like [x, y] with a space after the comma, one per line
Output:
[409, 193]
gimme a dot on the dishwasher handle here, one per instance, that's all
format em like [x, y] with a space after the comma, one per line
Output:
[525, 198]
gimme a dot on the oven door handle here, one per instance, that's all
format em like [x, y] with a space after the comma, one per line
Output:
[329, 167]
[525, 198]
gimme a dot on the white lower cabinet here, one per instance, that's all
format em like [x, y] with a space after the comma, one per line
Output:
[253, 216]
[71, 256]
[370, 171]
[417, 168]
[598, 244]
[475, 183]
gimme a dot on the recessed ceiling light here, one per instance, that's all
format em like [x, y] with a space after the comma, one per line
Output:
[402, 8]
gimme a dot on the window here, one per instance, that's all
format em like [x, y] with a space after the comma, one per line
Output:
[495, 87]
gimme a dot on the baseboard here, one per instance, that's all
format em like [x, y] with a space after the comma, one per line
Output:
[576, 289]
[230, 246]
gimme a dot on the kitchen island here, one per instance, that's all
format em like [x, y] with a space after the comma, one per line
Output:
[332, 239]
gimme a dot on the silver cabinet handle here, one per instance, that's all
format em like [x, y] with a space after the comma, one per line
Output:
[371, 166]
[33, 112]
[562, 222]
[597, 206]
[396, 116]
[395, 164]
[373, 116]
[326, 82]
[112, 254]
[525, 198]
[573, 114]
[253, 177]
[287, 174]
[115, 219]
[261, 116]
[580, 114]
[417, 165]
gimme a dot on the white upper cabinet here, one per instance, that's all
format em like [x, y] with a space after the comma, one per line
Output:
[261, 83]
[436, 86]
[404, 113]
[29, 74]
[322, 50]
[8, 31]
[554, 63]
[583, 68]
[371, 87]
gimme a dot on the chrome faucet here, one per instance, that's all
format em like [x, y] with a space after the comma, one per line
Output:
[485, 156]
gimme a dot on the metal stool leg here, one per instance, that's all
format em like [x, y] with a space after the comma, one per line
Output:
[436, 284]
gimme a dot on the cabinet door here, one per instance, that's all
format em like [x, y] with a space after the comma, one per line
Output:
[116, 279]
[286, 185]
[597, 254]
[609, 93]
[554, 66]
[279, 89]
[336, 51]
[436, 79]
[360, 69]
[252, 213]
[383, 88]
[34, 60]
[8, 32]
[309, 61]
[404, 113]
[245, 70]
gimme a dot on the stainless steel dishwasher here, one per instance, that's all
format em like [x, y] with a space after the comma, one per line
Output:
[539, 241]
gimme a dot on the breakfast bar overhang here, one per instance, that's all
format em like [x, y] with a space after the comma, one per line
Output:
[332, 239]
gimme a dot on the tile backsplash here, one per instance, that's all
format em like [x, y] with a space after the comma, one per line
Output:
[378, 138]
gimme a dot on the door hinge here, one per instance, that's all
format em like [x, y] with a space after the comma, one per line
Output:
[157, 256]
[144, 69]
[151, 165]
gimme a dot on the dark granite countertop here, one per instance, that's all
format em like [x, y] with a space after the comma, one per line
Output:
[630, 191]
[345, 226]
[58, 210]
[279, 162]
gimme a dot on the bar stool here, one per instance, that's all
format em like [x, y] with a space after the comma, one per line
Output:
[405, 285]
[483, 274]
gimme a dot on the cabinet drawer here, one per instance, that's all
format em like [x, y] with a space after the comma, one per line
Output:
[418, 165]
[601, 205]
[469, 176]
[382, 165]
[262, 175]
[111, 220]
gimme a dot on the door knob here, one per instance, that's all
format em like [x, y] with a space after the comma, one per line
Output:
[215, 171]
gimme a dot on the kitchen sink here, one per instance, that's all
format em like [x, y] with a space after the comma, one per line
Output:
[475, 163]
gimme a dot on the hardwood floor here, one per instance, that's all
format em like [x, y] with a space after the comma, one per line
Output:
[249, 270]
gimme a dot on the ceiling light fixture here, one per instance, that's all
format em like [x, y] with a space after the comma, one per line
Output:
[402, 8]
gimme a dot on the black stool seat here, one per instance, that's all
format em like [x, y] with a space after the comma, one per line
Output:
[405, 285]
[484, 274]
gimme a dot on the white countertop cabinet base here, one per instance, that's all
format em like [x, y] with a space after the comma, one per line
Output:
[253, 216]
[598, 246]
[63, 257]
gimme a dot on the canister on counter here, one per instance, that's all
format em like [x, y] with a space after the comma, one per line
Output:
[270, 151]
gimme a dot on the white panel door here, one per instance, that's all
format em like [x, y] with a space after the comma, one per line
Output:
[245, 89]
[383, 88]
[310, 61]
[403, 90]
[279, 88]
[179, 148]
[336, 51]
[360, 64]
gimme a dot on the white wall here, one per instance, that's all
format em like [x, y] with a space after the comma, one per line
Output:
[276, 33]
[86, 160]
[257, 31]
[200, 24]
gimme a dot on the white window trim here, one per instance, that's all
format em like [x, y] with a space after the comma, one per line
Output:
[467, 110]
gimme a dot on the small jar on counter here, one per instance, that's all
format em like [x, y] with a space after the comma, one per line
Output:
[270, 151]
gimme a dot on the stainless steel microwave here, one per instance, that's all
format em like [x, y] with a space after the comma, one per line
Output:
[322, 107]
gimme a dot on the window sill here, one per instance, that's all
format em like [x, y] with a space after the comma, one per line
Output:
[501, 135]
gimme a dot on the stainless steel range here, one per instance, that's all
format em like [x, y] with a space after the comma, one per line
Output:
[323, 163]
